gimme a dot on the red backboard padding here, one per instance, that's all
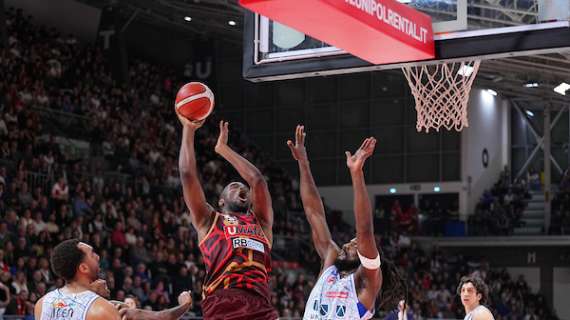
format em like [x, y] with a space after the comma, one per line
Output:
[378, 31]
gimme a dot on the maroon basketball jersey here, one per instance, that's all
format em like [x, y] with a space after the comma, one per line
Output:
[237, 254]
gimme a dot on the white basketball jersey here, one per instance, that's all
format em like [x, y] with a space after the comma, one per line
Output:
[334, 298]
[67, 306]
[470, 315]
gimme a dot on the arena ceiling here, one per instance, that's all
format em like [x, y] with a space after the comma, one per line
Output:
[211, 18]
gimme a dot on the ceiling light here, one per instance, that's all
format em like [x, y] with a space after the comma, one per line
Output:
[187, 18]
[392, 190]
[465, 71]
[531, 84]
[529, 113]
[232, 23]
[436, 189]
[562, 88]
[491, 92]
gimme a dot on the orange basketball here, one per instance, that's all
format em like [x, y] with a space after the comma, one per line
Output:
[194, 101]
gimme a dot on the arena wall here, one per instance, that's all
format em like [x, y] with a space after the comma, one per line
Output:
[80, 19]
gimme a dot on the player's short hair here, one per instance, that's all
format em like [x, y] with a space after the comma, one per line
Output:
[66, 258]
[479, 285]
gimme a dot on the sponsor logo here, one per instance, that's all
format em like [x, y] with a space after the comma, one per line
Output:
[244, 230]
[324, 310]
[59, 304]
[61, 310]
[340, 311]
[248, 244]
[229, 220]
[399, 22]
[316, 305]
[336, 294]
[331, 279]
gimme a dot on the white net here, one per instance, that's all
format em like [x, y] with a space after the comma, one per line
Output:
[441, 93]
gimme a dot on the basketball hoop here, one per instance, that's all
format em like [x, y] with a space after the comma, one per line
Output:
[441, 93]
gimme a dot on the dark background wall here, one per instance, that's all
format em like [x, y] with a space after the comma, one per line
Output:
[167, 46]
[338, 112]
[69, 16]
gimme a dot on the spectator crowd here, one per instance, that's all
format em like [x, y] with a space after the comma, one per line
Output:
[500, 209]
[560, 223]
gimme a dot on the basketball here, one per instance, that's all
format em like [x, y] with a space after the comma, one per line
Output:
[194, 101]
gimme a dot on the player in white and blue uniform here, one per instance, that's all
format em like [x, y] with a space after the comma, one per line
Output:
[474, 292]
[78, 265]
[351, 278]
[62, 304]
[335, 297]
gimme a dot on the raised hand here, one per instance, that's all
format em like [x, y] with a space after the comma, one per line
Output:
[356, 161]
[100, 287]
[128, 313]
[193, 125]
[185, 298]
[223, 137]
[298, 150]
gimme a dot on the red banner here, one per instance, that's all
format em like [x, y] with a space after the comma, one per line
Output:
[378, 31]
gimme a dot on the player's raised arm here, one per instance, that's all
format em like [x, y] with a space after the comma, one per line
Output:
[200, 211]
[312, 203]
[368, 254]
[261, 199]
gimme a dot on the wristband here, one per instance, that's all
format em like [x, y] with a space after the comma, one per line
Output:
[371, 264]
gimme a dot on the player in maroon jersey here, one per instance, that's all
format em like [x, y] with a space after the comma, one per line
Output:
[236, 242]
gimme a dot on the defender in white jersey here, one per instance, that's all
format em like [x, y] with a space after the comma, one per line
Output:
[78, 265]
[474, 292]
[351, 277]
[62, 304]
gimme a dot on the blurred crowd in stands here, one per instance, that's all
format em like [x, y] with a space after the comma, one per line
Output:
[500, 209]
[560, 223]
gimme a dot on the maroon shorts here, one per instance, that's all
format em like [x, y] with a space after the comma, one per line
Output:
[236, 304]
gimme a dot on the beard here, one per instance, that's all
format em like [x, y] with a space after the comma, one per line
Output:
[94, 275]
[238, 206]
[344, 265]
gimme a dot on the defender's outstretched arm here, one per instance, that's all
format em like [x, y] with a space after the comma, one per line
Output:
[369, 273]
[312, 203]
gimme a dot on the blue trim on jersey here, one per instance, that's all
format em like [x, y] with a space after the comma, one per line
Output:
[361, 309]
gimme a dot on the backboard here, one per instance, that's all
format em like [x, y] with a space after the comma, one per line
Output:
[463, 29]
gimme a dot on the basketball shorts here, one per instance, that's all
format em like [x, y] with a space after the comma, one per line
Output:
[236, 304]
